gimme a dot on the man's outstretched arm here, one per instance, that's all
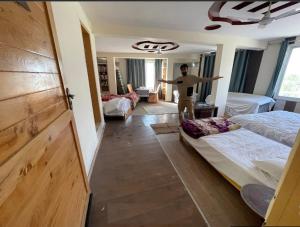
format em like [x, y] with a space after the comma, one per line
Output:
[207, 79]
[168, 81]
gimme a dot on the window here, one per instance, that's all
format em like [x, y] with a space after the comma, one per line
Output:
[150, 73]
[289, 87]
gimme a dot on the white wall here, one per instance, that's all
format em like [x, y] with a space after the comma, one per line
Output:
[267, 67]
[67, 18]
[223, 67]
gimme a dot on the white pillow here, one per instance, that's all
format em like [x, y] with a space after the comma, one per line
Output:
[274, 166]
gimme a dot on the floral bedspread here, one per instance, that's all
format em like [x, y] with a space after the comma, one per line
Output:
[208, 126]
[133, 97]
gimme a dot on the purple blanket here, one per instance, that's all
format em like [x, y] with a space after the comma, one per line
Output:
[207, 126]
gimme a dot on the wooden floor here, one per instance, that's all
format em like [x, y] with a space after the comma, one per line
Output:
[134, 183]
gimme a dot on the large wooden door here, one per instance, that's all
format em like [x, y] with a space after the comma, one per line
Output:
[42, 177]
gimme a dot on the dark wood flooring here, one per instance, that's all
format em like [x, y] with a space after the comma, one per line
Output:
[133, 182]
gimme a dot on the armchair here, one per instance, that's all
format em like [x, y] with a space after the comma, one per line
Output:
[153, 96]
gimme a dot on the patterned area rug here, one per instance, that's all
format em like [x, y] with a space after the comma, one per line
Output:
[161, 108]
[165, 128]
[145, 108]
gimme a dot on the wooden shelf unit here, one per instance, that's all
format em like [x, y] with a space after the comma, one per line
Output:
[103, 76]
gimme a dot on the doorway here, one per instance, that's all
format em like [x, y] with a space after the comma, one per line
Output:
[91, 76]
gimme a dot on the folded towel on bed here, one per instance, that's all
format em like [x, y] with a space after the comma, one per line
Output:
[204, 127]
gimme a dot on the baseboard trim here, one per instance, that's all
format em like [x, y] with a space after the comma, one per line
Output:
[100, 136]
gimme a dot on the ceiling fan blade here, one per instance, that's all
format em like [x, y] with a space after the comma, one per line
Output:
[287, 14]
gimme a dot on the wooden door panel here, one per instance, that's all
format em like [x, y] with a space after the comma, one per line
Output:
[13, 84]
[42, 176]
[43, 182]
[25, 106]
[15, 59]
[17, 135]
[27, 30]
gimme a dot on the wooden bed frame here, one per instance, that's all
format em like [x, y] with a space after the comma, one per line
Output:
[283, 209]
[118, 117]
[232, 182]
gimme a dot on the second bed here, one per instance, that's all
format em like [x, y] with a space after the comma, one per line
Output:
[281, 126]
[232, 154]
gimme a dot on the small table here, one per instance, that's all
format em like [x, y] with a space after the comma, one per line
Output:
[203, 110]
[257, 197]
[142, 92]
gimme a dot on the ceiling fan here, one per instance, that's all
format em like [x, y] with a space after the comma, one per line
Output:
[157, 47]
[267, 19]
[216, 7]
[156, 50]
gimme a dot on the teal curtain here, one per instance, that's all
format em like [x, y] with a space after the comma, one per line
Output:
[158, 72]
[280, 59]
[158, 75]
[136, 72]
[239, 71]
[208, 70]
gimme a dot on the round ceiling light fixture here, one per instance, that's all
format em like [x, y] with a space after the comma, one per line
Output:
[155, 47]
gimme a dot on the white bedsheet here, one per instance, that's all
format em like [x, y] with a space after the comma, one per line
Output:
[281, 126]
[242, 103]
[116, 106]
[234, 151]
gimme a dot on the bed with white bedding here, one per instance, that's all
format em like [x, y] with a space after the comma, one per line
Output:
[242, 103]
[232, 153]
[281, 126]
[117, 107]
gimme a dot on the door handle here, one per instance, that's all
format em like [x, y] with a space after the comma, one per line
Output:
[69, 98]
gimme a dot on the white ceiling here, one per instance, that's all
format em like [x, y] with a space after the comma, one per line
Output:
[123, 45]
[188, 16]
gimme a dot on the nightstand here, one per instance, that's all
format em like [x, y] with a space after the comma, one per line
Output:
[203, 110]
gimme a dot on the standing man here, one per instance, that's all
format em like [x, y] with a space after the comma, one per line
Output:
[185, 85]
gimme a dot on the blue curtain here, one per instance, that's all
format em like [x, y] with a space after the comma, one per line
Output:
[239, 71]
[158, 72]
[280, 59]
[158, 75]
[136, 72]
[208, 70]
